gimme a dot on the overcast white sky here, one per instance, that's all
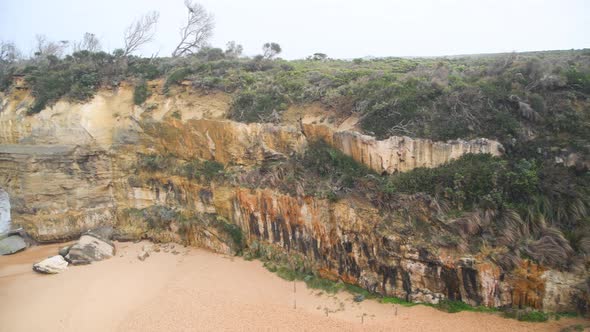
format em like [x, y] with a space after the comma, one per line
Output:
[339, 28]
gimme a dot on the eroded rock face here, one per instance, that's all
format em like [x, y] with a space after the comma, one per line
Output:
[341, 240]
[562, 291]
[58, 191]
[227, 142]
[399, 154]
[67, 169]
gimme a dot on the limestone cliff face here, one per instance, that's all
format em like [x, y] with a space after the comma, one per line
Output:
[57, 191]
[353, 242]
[399, 154]
[69, 168]
[227, 142]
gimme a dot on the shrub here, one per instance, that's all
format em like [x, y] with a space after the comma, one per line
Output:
[143, 68]
[578, 80]
[77, 76]
[330, 163]
[465, 182]
[141, 93]
[233, 231]
[47, 86]
[451, 306]
[260, 104]
[206, 170]
[527, 315]
[176, 76]
[395, 300]
[160, 217]
[155, 162]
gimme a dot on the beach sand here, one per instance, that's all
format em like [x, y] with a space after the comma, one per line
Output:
[197, 290]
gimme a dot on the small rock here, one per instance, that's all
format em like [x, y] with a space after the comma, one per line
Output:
[51, 265]
[174, 252]
[157, 248]
[64, 251]
[143, 255]
[359, 298]
[12, 244]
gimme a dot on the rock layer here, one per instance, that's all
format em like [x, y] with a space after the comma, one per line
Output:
[398, 154]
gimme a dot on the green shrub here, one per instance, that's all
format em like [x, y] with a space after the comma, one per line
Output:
[470, 180]
[160, 217]
[140, 93]
[289, 274]
[326, 285]
[578, 80]
[395, 300]
[176, 76]
[458, 306]
[77, 77]
[234, 231]
[143, 68]
[47, 86]
[258, 105]
[206, 170]
[155, 162]
[527, 315]
[331, 163]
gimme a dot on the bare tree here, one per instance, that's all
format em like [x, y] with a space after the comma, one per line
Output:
[197, 30]
[140, 32]
[8, 52]
[271, 50]
[46, 47]
[89, 43]
[233, 50]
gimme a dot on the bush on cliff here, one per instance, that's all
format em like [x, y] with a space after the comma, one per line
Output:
[140, 93]
[471, 180]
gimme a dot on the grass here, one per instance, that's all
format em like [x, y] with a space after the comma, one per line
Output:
[527, 316]
[326, 285]
[458, 306]
[575, 327]
[397, 300]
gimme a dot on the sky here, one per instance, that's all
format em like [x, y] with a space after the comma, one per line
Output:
[338, 28]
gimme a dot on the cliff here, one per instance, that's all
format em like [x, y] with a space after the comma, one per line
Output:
[75, 166]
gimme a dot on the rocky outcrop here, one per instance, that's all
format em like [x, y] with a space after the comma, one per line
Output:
[398, 154]
[227, 142]
[564, 291]
[57, 191]
[51, 265]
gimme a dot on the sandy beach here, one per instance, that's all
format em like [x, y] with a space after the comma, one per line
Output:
[197, 290]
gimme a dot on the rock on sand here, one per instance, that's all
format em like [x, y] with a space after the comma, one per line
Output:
[51, 265]
[89, 249]
[12, 244]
